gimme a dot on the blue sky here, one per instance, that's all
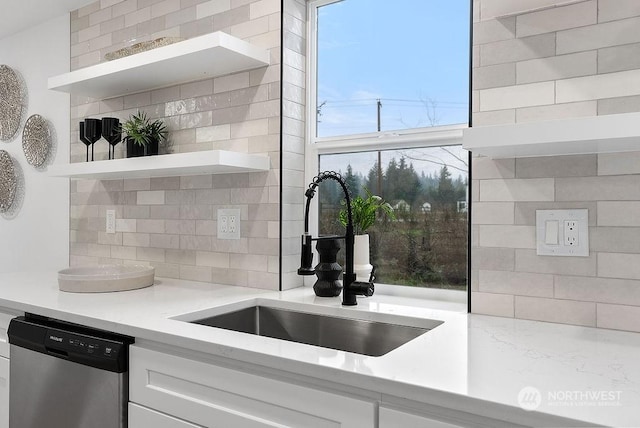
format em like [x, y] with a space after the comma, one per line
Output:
[411, 54]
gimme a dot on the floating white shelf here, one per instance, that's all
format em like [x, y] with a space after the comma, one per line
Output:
[595, 134]
[195, 163]
[211, 55]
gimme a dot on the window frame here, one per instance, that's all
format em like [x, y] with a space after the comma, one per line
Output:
[435, 136]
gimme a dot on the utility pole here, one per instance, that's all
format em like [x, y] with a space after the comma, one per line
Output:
[379, 104]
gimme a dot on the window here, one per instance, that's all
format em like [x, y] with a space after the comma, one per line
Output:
[389, 97]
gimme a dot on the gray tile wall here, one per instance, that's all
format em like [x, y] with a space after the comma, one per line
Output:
[576, 60]
[170, 223]
[293, 138]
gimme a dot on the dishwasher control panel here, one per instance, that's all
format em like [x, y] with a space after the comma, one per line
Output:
[81, 344]
[76, 343]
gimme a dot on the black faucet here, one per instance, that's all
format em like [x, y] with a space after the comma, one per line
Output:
[350, 287]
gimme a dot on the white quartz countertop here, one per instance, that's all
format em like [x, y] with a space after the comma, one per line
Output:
[473, 363]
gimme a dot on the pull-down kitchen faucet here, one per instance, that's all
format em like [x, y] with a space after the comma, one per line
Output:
[350, 287]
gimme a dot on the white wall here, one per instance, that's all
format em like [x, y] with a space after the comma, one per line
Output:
[36, 235]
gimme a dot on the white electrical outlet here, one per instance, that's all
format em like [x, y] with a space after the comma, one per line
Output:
[229, 223]
[571, 233]
[562, 232]
[111, 221]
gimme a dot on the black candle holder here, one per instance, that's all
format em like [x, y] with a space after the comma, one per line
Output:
[328, 270]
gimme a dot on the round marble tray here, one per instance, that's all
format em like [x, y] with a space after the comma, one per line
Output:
[105, 278]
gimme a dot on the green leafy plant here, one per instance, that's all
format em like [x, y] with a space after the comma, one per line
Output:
[143, 131]
[364, 211]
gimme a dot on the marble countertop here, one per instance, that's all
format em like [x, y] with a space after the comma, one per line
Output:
[478, 364]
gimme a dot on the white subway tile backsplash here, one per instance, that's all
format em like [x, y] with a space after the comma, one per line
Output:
[501, 305]
[611, 10]
[598, 36]
[196, 273]
[496, 117]
[619, 58]
[614, 239]
[494, 30]
[518, 283]
[487, 258]
[609, 85]
[535, 189]
[584, 57]
[602, 290]
[558, 18]
[528, 261]
[507, 236]
[151, 197]
[218, 260]
[532, 94]
[552, 112]
[493, 76]
[618, 105]
[492, 213]
[619, 163]
[125, 225]
[602, 188]
[556, 166]
[150, 226]
[263, 7]
[212, 7]
[520, 49]
[484, 168]
[619, 213]
[619, 317]
[556, 310]
[557, 67]
[619, 265]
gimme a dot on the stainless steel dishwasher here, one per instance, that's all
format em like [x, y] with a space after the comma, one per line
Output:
[64, 375]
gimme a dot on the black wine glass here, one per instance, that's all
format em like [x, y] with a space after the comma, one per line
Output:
[92, 131]
[111, 132]
[84, 139]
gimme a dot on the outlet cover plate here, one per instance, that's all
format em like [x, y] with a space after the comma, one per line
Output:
[578, 245]
[228, 223]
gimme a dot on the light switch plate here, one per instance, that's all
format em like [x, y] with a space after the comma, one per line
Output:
[562, 232]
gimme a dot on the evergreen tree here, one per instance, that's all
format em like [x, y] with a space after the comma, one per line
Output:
[354, 181]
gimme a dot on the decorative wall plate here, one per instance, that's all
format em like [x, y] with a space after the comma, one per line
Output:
[8, 181]
[11, 98]
[36, 140]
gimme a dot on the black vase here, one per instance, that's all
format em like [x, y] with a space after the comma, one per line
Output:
[328, 270]
[136, 150]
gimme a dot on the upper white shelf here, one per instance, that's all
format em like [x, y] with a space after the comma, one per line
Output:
[594, 134]
[202, 57]
[194, 163]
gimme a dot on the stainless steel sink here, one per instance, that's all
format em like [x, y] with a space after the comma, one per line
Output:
[346, 334]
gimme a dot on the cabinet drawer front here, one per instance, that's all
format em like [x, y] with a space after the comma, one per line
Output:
[141, 417]
[391, 418]
[4, 340]
[214, 396]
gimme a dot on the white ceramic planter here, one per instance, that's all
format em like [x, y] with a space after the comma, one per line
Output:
[361, 264]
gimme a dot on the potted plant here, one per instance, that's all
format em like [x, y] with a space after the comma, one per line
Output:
[363, 211]
[142, 135]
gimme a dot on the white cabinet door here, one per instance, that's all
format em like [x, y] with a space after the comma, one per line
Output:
[4, 392]
[141, 417]
[214, 396]
[391, 418]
